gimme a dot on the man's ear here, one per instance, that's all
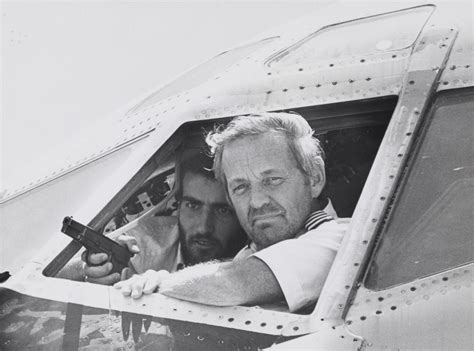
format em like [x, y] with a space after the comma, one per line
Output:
[317, 184]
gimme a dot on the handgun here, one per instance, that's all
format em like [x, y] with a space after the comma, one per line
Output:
[97, 243]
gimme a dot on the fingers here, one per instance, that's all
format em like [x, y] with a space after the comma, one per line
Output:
[98, 271]
[129, 241]
[154, 281]
[100, 274]
[94, 258]
[146, 283]
[132, 287]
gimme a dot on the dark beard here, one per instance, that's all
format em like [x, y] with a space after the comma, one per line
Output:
[197, 256]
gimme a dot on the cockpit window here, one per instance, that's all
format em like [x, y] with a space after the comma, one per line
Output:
[369, 35]
[430, 227]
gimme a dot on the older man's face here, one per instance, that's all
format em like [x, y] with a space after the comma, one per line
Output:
[271, 196]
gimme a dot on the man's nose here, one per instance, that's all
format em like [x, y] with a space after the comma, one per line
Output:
[205, 223]
[258, 198]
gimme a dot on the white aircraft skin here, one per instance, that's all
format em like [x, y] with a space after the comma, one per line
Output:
[276, 72]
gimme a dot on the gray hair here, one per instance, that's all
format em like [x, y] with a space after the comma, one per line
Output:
[299, 135]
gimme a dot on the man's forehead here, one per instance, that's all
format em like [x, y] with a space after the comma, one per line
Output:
[258, 155]
[202, 188]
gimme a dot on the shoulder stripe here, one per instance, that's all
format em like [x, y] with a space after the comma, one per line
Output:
[316, 219]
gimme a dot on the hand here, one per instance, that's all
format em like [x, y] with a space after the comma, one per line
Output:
[140, 284]
[97, 268]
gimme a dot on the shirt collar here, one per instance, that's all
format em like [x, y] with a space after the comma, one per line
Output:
[314, 220]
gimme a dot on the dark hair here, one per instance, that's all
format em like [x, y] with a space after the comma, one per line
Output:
[196, 162]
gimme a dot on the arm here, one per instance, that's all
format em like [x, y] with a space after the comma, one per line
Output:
[248, 281]
[245, 282]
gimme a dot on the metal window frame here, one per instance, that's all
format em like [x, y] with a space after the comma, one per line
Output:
[428, 60]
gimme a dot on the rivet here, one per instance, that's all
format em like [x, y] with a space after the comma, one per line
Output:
[296, 328]
[365, 242]
[263, 324]
[363, 318]
[378, 312]
[368, 79]
[374, 220]
[334, 83]
[285, 90]
[408, 134]
[351, 81]
[318, 85]
[331, 65]
[231, 319]
[381, 299]
[393, 308]
[279, 326]
[394, 56]
[269, 73]
[269, 92]
[301, 87]
[383, 198]
[362, 60]
[300, 69]
[411, 82]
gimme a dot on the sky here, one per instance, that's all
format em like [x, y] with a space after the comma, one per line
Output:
[64, 64]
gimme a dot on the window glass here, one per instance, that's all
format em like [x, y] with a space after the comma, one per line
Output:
[364, 36]
[430, 227]
[201, 73]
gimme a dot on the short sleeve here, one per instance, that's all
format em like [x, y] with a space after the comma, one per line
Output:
[301, 265]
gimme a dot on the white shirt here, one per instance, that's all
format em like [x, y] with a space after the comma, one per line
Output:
[301, 265]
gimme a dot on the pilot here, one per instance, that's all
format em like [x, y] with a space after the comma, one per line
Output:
[205, 228]
[273, 172]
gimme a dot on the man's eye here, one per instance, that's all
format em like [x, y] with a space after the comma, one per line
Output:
[224, 210]
[191, 205]
[274, 180]
[239, 189]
